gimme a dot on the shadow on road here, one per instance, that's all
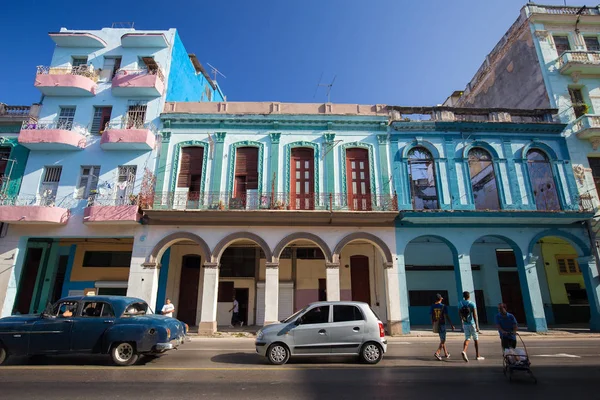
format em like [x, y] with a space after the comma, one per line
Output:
[255, 359]
[71, 360]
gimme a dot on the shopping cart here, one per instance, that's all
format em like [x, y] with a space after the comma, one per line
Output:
[516, 359]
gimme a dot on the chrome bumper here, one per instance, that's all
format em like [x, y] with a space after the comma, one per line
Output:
[173, 344]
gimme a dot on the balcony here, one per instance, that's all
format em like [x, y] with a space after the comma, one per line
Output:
[129, 135]
[34, 210]
[69, 81]
[579, 62]
[55, 136]
[138, 83]
[587, 127]
[109, 210]
[222, 208]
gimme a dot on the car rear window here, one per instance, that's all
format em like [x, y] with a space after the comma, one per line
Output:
[343, 313]
[374, 313]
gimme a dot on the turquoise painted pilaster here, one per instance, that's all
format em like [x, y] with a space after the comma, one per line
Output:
[329, 166]
[464, 275]
[515, 193]
[217, 164]
[65, 288]
[589, 269]
[19, 156]
[48, 250]
[382, 140]
[274, 169]
[452, 175]
[399, 174]
[50, 276]
[571, 185]
[163, 278]
[532, 296]
[403, 289]
[162, 161]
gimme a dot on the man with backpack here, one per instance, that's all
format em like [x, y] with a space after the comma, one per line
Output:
[468, 316]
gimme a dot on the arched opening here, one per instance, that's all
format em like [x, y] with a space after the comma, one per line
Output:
[422, 178]
[542, 181]
[483, 180]
[363, 258]
[430, 269]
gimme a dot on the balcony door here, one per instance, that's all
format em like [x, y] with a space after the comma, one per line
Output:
[246, 175]
[136, 115]
[358, 178]
[302, 179]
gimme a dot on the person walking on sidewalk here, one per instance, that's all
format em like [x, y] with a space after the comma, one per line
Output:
[439, 313]
[168, 308]
[235, 316]
[470, 322]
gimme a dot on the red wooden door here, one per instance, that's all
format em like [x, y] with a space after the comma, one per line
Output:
[302, 180]
[359, 276]
[187, 306]
[510, 288]
[358, 178]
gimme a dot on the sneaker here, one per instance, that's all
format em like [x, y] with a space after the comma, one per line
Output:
[448, 356]
[241, 324]
[436, 355]
[231, 326]
[480, 358]
[464, 356]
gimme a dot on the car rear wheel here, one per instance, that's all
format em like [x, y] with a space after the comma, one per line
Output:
[278, 354]
[371, 353]
[3, 354]
[123, 354]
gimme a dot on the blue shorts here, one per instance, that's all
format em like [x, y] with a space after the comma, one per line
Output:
[470, 332]
[442, 333]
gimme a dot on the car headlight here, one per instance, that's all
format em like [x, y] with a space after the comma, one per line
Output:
[259, 335]
[187, 328]
[168, 333]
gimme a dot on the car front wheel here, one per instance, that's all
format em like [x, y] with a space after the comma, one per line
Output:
[371, 353]
[3, 355]
[278, 354]
[124, 354]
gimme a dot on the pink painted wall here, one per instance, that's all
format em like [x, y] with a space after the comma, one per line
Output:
[346, 295]
[124, 80]
[128, 136]
[111, 214]
[304, 297]
[51, 136]
[66, 80]
[34, 214]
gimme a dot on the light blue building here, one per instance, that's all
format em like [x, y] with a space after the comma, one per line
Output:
[92, 152]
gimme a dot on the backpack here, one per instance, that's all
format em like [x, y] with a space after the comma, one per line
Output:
[465, 311]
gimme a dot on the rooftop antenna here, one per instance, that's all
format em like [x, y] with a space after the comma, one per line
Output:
[329, 86]
[215, 72]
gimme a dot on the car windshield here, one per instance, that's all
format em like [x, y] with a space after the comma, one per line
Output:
[293, 316]
[137, 309]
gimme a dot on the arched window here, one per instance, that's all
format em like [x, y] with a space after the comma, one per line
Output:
[421, 171]
[483, 180]
[542, 181]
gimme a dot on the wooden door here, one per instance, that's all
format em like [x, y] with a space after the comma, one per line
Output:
[187, 306]
[510, 288]
[360, 282]
[302, 180]
[358, 178]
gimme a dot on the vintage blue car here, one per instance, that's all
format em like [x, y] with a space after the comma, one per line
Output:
[123, 327]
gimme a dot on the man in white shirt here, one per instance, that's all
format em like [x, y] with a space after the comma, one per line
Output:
[235, 317]
[168, 308]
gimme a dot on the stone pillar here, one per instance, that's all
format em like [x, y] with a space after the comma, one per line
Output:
[12, 259]
[217, 166]
[532, 296]
[210, 290]
[589, 269]
[274, 165]
[329, 166]
[333, 281]
[271, 293]
[397, 298]
[143, 276]
[382, 140]
[464, 276]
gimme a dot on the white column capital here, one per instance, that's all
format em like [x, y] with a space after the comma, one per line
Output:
[272, 265]
[150, 265]
[388, 265]
[209, 265]
[332, 265]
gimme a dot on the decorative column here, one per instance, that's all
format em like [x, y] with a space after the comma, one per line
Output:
[532, 296]
[210, 290]
[271, 293]
[452, 175]
[333, 281]
[162, 162]
[329, 165]
[217, 164]
[589, 269]
[515, 193]
[383, 163]
[274, 166]
[464, 276]
[397, 297]
[143, 276]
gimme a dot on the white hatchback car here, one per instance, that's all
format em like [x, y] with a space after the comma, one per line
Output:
[329, 328]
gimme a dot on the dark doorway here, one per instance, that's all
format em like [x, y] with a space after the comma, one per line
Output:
[359, 274]
[481, 312]
[241, 295]
[59, 279]
[28, 279]
[510, 287]
[187, 306]
[322, 290]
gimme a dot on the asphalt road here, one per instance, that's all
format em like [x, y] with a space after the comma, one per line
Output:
[230, 369]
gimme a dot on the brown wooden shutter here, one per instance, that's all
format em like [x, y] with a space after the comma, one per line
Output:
[191, 164]
[246, 164]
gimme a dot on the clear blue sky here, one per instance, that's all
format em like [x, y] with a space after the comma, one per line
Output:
[383, 51]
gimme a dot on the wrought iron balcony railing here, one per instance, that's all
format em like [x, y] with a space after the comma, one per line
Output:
[83, 70]
[142, 71]
[131, 123]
